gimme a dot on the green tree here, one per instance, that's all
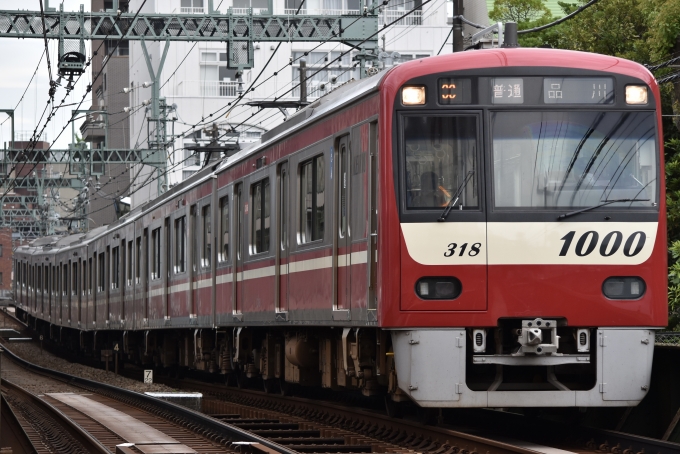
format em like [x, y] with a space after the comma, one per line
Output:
[519, 11]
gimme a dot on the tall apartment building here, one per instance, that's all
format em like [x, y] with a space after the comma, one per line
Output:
[106, 112]
[198, 82]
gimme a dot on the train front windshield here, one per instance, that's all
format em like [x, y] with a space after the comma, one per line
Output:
[574, 159]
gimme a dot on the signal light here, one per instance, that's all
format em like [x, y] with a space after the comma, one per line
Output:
[413, 95]
[636, 94]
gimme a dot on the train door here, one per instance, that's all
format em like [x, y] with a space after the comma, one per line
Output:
[283, 217]
[167, 273]
[373, 218]
[240, 212]
[342, 255]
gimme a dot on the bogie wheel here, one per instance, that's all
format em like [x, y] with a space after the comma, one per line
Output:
[392, 408]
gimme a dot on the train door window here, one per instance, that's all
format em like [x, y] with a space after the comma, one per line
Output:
[90, 277]
[224, 229]
[84, 276]
[138, 262]
[156, 253]
[129, 263]
[115, 267]
[283, 204]
[101, 264]
[74, 278]
[64, 276]
[261, 213]
[344, 185]
[38, 288]
[205, 237]
[239, 221]
[312, 199]
[194, 234]
[23, 274]
[180, 244]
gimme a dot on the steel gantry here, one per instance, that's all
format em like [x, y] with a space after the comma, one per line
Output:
[238, 31]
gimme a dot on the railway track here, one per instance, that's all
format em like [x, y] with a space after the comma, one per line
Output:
[310, 426]
[61, 414]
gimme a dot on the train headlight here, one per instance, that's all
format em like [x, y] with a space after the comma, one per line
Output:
[636, 94]
[438, 288]
[624, 288]
[413, 95]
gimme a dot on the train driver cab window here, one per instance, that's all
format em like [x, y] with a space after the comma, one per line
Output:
[205, 219]
[440, 161]
[224, 229]
[260, 210]
[312, 200]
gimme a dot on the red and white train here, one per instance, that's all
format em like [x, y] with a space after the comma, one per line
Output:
[481, 229]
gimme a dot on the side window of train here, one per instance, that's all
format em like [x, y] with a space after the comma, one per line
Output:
[259, 237]
[224, 229]
[205, 221]
[156, 253]
[312, 199]
[180, 244]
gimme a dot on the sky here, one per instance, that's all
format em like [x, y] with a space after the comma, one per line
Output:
[18, 61]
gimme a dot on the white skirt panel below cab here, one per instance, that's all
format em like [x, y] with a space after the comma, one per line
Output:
[430, 365]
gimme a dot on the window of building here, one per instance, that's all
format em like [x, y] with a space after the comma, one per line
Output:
[324, 7]
[224, 229]
[117, 48]
[187, 173]
[0, 250]
[191, 158]
[1, 281]
[180, 244]
[191, 7]
[205, 220]
[156, 253]
[312, 200]
[260, 217]
[216, 79]
[260, 4]
[115, 267]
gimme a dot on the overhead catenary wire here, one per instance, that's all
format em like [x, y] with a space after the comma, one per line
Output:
[89, 88]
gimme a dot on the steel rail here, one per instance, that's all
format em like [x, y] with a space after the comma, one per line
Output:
[226, 430]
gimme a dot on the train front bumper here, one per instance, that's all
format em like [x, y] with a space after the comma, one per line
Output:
[431, 369]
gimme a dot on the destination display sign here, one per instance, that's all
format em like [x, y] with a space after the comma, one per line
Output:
[578, 90]
[455, 91]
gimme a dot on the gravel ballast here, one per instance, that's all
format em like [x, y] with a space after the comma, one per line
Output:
[31, 352]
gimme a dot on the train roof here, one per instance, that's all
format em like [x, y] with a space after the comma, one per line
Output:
[355, 90]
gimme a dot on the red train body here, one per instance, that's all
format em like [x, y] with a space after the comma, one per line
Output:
[324, 255]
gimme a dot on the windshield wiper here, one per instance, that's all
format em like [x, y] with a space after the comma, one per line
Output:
[606, 202]
[455, 198]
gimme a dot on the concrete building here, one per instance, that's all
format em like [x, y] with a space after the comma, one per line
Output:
[6, 263]
[196, 79]
[107, 111]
